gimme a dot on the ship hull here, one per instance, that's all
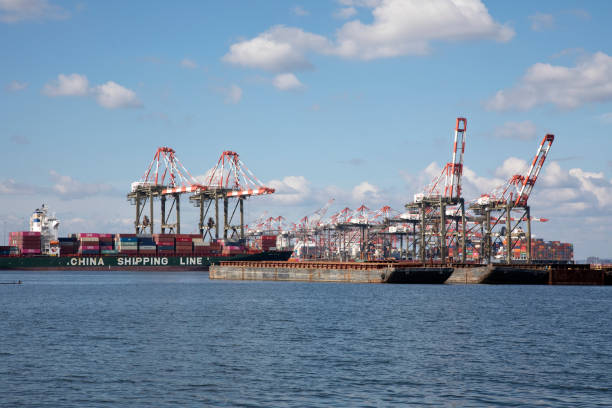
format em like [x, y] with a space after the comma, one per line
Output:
[132, 263]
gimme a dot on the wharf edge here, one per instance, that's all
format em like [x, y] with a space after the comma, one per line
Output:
[406, 272]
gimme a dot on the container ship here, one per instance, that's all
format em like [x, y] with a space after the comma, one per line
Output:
[41, 248]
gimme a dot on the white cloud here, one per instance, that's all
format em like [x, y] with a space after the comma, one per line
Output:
[594, 183]
[399, 27]
[554, 176]
[541, 21]
[67, 85]
[366, 192]
[407, 27]
[287, 82]
[279, 49]
[67, 187]
[16, 86]
[300, 11]
[233, 94]
[187, 63]
[13, 11]
[589, 81]
[111, 95]
[345, 12]
[473, 185]
[290, 190]
[525, 130]
[510, 167]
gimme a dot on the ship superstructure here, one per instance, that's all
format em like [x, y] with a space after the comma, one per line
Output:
[48, 226]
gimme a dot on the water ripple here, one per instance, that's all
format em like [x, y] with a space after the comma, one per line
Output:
[178, 339]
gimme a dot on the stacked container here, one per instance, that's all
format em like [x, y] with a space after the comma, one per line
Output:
[550, 251]
[234, 248]
[201, 249]
[5, 250]
[165, 244]
[126, 244]
[268, 242]
[107, 244]
[27, 242]
[183, 245]
[146, 245]
[68, 246]
[89, 243]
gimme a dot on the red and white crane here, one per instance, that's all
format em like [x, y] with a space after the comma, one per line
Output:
[517, 189]
[451, 173]
[232, 175]
[166, 170]
[536, 165]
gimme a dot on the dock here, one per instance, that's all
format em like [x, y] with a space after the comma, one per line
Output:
[413, 273]
[348, 272]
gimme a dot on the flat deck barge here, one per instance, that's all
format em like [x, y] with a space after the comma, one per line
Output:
[413, 272]
[349, 272]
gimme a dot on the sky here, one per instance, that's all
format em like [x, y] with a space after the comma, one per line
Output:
[354, 100]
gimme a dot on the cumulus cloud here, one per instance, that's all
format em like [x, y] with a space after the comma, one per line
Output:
[109, 95]
[187, 63]
[594, 183]
[510, 167]
[399, 27]
[278, 49]
[67, 85]
[407, 28]
[14, 11]
[525, 130]
[566, 87]
[291, 189]
[287, 82]
[554, 176]
[474, 185]
[366, 192]
[66, 187]
[15, 86]
[541, 21]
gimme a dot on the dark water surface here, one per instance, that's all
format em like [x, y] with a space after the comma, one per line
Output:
[135, 339]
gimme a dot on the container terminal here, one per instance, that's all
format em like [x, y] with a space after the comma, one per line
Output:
[438, 234]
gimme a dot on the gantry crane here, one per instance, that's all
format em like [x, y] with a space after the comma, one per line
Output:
[229, 179]
[439, 209]
[511, 196]
[164, 178]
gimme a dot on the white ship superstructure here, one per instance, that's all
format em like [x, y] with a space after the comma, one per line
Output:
[48, 226]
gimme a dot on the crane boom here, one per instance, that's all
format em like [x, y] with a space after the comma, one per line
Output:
[454, 169]
[534, 170]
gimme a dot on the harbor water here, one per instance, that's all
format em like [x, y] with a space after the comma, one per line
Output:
[137, 339]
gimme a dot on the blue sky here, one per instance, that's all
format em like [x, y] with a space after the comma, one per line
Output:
[351, 99]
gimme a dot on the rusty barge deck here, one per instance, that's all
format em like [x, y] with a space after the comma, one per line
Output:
[349, 272]
[412, 272]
